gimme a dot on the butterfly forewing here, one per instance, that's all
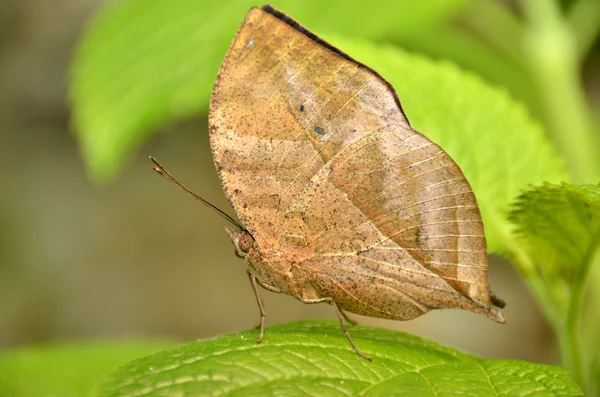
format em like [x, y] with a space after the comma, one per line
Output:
[308, 103]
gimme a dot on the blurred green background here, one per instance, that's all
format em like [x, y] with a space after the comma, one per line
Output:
[81, 260]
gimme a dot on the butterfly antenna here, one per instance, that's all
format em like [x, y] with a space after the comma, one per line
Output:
[167, 175]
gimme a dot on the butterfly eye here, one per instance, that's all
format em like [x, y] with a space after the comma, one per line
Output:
[245, 242]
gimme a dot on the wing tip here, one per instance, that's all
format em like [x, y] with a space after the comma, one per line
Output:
[488, 310]
[494, 314]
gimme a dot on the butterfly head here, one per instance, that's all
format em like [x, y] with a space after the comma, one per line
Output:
[242, 241]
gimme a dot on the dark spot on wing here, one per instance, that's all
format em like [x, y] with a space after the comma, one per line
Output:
[302, 108]
[319, 131]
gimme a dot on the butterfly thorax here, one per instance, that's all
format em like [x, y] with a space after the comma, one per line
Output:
[270, 268]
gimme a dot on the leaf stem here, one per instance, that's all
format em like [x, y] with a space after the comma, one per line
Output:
[567, 330]
[570, 346]
[553, 58]
[584, 21]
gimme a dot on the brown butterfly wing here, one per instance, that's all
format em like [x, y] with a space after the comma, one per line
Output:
[320, 164]
[282, 107]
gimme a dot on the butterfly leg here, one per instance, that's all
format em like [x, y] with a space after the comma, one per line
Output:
[268, 287]
[263, 315]
[341, 317]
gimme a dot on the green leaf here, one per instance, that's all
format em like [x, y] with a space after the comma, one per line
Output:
[560, 226]
[314, 358]
[562, 220]
[470, 52]
[499, 147]
[67, 370]
[143, 63]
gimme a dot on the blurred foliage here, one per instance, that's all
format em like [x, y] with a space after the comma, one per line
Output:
[560, 230]
[537, 57]
[561, 226]
[314, 359]
[66, 370]
[142, 64]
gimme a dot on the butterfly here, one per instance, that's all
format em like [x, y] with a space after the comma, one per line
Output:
[339, 199]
